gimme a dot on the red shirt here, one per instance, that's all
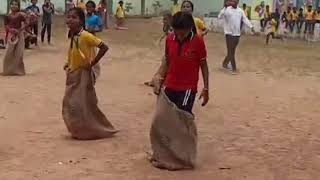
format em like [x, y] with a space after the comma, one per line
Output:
[184, 60]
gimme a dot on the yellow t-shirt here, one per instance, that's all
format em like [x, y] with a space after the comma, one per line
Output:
[246, 12]
[267, 15]
[120, 12]
[83, 50]
[175, 8]
[309, 16]
[317, 16]
[273, 25]
[82, 5]
[199, 25]
[293, 16]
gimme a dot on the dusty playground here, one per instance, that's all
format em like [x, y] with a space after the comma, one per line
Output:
[262, 124]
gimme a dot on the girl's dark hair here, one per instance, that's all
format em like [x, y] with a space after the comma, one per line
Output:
[191, 4]
[81, 14]
[91, 3]
[182, 20]
[16, 1]
[82, 18]
[120, 2]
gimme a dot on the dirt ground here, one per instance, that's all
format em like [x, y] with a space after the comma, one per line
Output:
[262, 124]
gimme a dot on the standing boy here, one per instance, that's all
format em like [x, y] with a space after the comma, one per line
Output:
[300, 20]
[34, 11]
[293, 17]
[309, 15]
[48, 12]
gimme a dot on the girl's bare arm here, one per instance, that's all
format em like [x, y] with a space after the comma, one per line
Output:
[103, 48]
[159, 77]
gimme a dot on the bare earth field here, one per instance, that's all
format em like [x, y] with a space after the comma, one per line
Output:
[262, 124]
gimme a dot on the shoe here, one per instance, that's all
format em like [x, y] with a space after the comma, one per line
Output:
[236, 72]
[227, 67]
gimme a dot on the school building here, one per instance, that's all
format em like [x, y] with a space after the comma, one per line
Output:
[136, 7]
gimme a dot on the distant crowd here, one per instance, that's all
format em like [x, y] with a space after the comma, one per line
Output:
[293, 20]
[31, 18]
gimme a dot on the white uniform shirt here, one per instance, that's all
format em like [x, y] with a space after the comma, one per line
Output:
[232, 20]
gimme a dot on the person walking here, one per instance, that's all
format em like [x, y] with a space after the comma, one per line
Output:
[232, 16]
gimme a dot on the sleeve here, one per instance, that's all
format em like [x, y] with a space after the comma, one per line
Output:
[221, 14]
[53, 10]
[99, 22]
[201, 24]
[38, 9]
[202, 50]
[92, 40]
[246, 20]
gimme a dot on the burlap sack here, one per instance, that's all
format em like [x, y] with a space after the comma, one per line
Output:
[96, 69]
[13, 60]
[80, 111]
[173, 136]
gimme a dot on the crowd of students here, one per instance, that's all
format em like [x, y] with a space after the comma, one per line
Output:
[30, 18]
[293, 20]
[22, 30]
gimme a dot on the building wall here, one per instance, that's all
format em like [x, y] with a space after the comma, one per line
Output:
[206, 6]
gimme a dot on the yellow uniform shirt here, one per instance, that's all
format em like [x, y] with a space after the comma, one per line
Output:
[267, 15]
[309, 16]
[317, 16]
[175, 8]
[246, 12]
[82, 6]
[120, 12]
[83, 50]
[273, 25]
[293, 16]
[199, 25]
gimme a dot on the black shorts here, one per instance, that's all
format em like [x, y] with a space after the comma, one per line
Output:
[184, 100]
